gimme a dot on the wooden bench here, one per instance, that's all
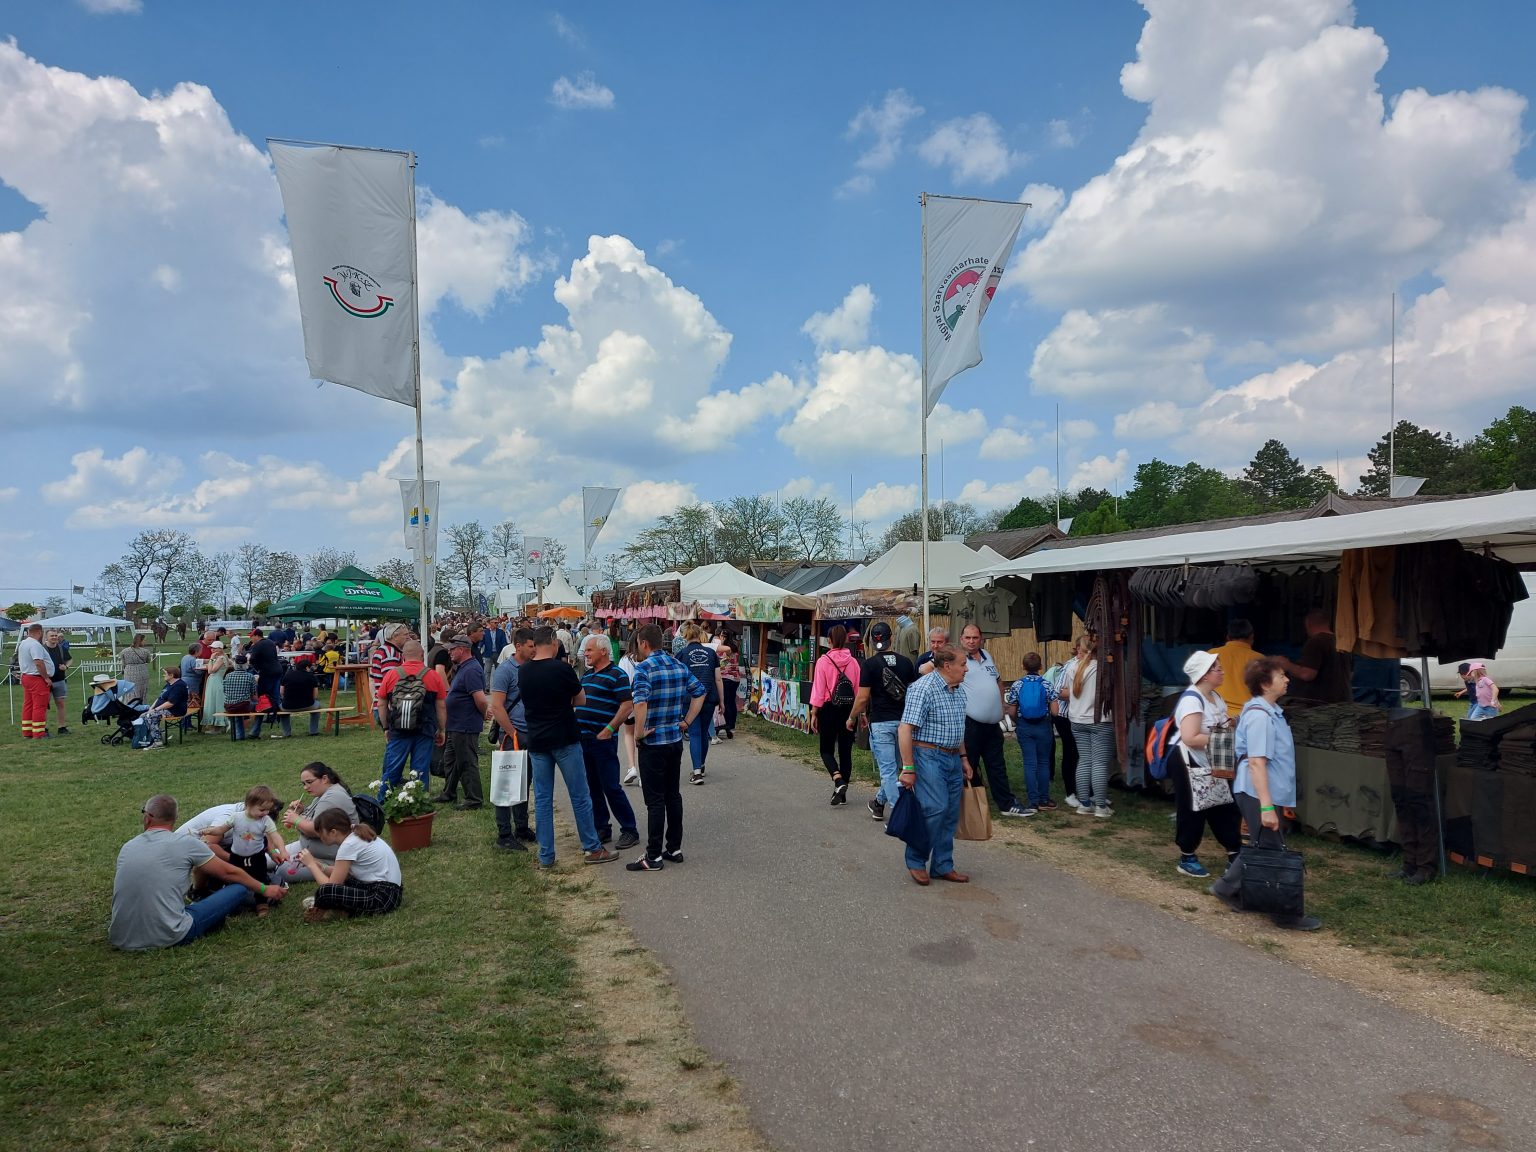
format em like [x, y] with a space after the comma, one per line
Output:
[334, 713]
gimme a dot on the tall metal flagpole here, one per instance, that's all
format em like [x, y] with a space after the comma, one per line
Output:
[422, 512]
[922, 407]
[1392, 411]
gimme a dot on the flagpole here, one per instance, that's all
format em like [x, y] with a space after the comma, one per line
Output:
[422, 512]
[922, 407]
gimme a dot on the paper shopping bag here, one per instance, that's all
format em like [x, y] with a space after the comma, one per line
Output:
[509, 778]
[975, 816]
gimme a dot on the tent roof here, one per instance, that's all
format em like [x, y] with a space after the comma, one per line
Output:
[559, 591]
[902, 567]
[1504, 523]
[723, 581]
[350, 592]
[84, 620]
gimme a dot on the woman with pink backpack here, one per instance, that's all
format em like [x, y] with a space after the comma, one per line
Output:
[834, 684]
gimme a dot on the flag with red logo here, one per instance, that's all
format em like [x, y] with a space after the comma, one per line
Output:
[350, 217]
[966, 243]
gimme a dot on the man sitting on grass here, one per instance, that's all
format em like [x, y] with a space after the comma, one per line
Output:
[149, 908]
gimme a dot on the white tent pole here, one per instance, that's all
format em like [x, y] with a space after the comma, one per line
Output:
[422, 511]
[922, 407]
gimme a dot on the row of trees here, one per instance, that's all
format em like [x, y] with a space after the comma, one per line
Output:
[165, 568]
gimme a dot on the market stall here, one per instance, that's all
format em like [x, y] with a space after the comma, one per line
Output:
[1431, 580]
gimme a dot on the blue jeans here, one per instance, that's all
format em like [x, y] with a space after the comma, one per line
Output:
[314, 724]
[602, 761]
[211, 911]
[938, 784]
[574, 769]
[1482, 712]
[398, 749]
[700, 732]
[1035, 739]
[883, 747]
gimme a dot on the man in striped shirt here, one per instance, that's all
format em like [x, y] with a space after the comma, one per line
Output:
[606, 707]
[933, 761]
[667, 700]
[386, 656]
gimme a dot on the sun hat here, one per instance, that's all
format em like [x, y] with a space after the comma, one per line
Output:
[103, 678]
[217, 644]
[1198, 664]
[1477, 666]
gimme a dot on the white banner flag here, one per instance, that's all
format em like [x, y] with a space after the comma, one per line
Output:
[967, 243]
[349, 223]
[412, 508]
[534, 548]
[596, 505]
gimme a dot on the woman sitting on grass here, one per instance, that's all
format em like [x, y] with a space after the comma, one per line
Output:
[327, 793]
[365, 880]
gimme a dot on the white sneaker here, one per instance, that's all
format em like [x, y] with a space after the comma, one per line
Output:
[632, 777]
[309, 902]
[1071, 801]
[1103, 813]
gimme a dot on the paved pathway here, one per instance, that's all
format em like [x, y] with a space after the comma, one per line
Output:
[1026, 1009]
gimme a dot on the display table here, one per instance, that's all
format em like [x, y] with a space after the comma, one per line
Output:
[1348, 795]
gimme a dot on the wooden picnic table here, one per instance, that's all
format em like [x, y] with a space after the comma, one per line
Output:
[362, 713]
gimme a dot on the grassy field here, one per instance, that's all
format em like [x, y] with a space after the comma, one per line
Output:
[1479, 924]
[456, 1023]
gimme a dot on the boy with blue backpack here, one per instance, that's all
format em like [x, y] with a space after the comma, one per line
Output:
[1029, 702]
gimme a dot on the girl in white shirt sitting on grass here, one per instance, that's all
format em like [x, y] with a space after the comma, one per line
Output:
[364, 881]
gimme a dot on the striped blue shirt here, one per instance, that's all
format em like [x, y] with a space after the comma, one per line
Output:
[936, 710]
[664, 685]
[605, 690]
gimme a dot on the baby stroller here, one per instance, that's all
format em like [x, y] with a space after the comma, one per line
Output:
[107, 706]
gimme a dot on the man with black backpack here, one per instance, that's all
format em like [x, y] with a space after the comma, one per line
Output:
[883, 680]
[413, 706]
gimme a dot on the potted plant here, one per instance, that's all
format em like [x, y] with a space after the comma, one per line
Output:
[409, 811]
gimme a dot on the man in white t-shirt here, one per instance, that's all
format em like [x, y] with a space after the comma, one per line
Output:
[984, 722]
[36, 668]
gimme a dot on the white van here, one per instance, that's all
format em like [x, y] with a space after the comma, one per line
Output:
[1515, 666]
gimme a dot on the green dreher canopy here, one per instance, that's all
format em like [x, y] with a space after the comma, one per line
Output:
[350, 592]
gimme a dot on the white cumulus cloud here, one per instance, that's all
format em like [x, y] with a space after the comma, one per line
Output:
[847, 325]
[972, 148]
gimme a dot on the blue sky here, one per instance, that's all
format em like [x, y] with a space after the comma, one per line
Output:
[1218, 229]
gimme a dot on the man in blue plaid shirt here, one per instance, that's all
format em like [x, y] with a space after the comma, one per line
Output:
[933, 761]
[667, 700]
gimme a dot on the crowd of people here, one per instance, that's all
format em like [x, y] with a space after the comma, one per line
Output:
[606, 710]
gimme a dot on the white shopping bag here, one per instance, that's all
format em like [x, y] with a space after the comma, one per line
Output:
[509, 778]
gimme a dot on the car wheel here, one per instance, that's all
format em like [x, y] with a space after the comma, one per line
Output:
[1408, 684]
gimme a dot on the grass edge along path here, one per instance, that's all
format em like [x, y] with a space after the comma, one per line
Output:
[458, 1022]
[1462, 950]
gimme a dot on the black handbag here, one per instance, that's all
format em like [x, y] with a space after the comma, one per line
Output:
[1273, 880]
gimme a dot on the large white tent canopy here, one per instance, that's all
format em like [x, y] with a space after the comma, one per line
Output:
[902, 567]
[1504, 524]
[559, 591]
[85, 621]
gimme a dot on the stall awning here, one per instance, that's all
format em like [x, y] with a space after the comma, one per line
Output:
[1505, 524]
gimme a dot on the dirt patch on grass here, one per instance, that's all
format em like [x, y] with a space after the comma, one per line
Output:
[1077, 848]
[675, 1096]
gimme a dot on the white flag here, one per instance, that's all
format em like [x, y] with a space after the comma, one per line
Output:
[349, 223]
[596, 505]
[413, 508]
[967, 244]
[534, 548]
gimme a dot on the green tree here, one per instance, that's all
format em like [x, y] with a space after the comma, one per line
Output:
[1028, 513]
[951, 518]
[1275, 479]
[681, 540]
[1098, 521]
[1502, 455]
[750, 528]
[20, 610]
[1418, 452]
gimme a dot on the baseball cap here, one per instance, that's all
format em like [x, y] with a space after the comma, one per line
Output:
[880, 634]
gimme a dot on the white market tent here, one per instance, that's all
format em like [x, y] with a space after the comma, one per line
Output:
[561, 593]
[902, 567]
[1504, 523]
[717, 582]
[85, 621]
